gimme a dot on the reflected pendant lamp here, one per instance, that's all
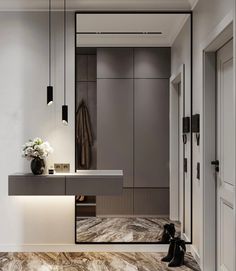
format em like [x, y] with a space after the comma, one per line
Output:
[65, 107]
[49, 87]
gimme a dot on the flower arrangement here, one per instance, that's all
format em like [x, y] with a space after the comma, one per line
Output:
[36, 148]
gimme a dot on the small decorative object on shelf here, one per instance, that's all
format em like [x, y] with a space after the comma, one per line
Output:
[51, 171]
[37, 151]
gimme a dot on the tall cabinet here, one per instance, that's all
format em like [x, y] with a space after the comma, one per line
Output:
[133, 127]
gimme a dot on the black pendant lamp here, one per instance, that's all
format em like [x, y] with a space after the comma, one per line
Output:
[49, 87]
[65, 107]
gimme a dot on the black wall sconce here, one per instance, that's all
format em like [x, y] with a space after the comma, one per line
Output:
[186, 128]
[196, 127]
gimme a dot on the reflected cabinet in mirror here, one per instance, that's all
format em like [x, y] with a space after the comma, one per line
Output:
[133, 94]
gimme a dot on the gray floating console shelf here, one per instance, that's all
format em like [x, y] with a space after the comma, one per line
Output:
[83, 182]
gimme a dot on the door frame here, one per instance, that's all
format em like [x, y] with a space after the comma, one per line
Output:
[221, 35]
[175, 80]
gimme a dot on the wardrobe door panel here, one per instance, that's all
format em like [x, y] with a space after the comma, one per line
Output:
[115, 126]
[151, 136]
[92, 106]
[114, 63]
[116, 205]
[81, 92]
[87, 91]
[151, 201]
[92, 67]
[152, 62]
[82, 68]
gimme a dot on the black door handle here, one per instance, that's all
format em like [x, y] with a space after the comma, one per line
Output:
[185, 139]
[215, 163]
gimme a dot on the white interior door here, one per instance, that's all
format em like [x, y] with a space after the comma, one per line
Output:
[226, 157]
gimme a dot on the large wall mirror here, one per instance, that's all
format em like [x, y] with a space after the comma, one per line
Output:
[133, 113]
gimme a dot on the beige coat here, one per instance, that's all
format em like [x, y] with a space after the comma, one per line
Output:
[84, 136]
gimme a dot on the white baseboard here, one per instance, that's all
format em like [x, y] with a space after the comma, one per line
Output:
[83, 248]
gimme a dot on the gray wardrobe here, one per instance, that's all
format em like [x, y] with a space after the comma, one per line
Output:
[132, 127]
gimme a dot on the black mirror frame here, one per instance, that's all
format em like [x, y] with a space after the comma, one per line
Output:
[190, 13]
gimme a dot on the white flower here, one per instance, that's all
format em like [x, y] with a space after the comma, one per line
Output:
[36, 148]
[38, 141]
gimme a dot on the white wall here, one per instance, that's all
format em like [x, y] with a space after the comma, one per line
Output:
[206, 15]
[180, 54]
[25, 115]
[37, 223]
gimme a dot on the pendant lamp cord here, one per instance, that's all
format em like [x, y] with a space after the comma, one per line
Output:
[50, 35]
[64, 52]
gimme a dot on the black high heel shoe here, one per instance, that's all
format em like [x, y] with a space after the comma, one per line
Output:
[179, 252]
[168, 233]
[171, 251]
[171, 230]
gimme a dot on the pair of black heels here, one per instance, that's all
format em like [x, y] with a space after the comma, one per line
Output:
[176, 252]
[168, 233]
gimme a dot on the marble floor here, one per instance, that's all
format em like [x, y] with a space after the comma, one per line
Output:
[99, 261]
[122, 229]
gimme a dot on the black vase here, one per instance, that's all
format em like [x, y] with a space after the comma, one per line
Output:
[37, 166]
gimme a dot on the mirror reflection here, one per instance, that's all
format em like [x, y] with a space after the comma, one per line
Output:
[133, 103]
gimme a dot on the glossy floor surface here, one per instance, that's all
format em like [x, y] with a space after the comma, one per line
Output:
[122, 229]
[89, 262]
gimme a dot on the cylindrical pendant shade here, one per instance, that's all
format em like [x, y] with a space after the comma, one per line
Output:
[49, 95]
[65, 107]
[65, 114]
[49, 88]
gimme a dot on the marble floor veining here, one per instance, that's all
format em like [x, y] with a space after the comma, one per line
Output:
[122, 229]
[90, 261]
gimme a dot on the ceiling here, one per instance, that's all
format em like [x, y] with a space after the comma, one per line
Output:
[40, 5]
[114, 29]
